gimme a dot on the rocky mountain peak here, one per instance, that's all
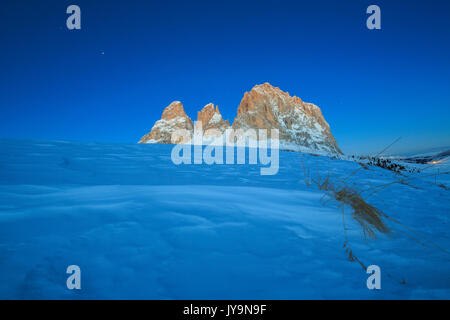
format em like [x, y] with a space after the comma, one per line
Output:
[300, 124]
[211, 118]
[174, 110]
[173, 118]
[206, 114]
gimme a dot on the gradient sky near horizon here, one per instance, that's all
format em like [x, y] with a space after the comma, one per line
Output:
[111, 80]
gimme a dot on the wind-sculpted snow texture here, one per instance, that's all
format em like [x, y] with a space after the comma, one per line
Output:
[141, 227]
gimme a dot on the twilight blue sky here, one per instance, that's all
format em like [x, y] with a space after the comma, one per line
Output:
[372, 86]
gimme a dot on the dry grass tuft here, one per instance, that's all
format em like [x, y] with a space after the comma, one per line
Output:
[443, 186]
[405, 183]
[351, 256]
[364, 166]
[369, 217]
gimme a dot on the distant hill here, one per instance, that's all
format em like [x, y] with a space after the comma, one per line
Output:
[429, 156]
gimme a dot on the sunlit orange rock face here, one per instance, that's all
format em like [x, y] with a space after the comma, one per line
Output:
[173, 118]
[299, 123]
[212, 120]
[174, 110]
[206, 114]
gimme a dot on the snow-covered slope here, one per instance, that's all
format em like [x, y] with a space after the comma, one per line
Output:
[141, 227]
